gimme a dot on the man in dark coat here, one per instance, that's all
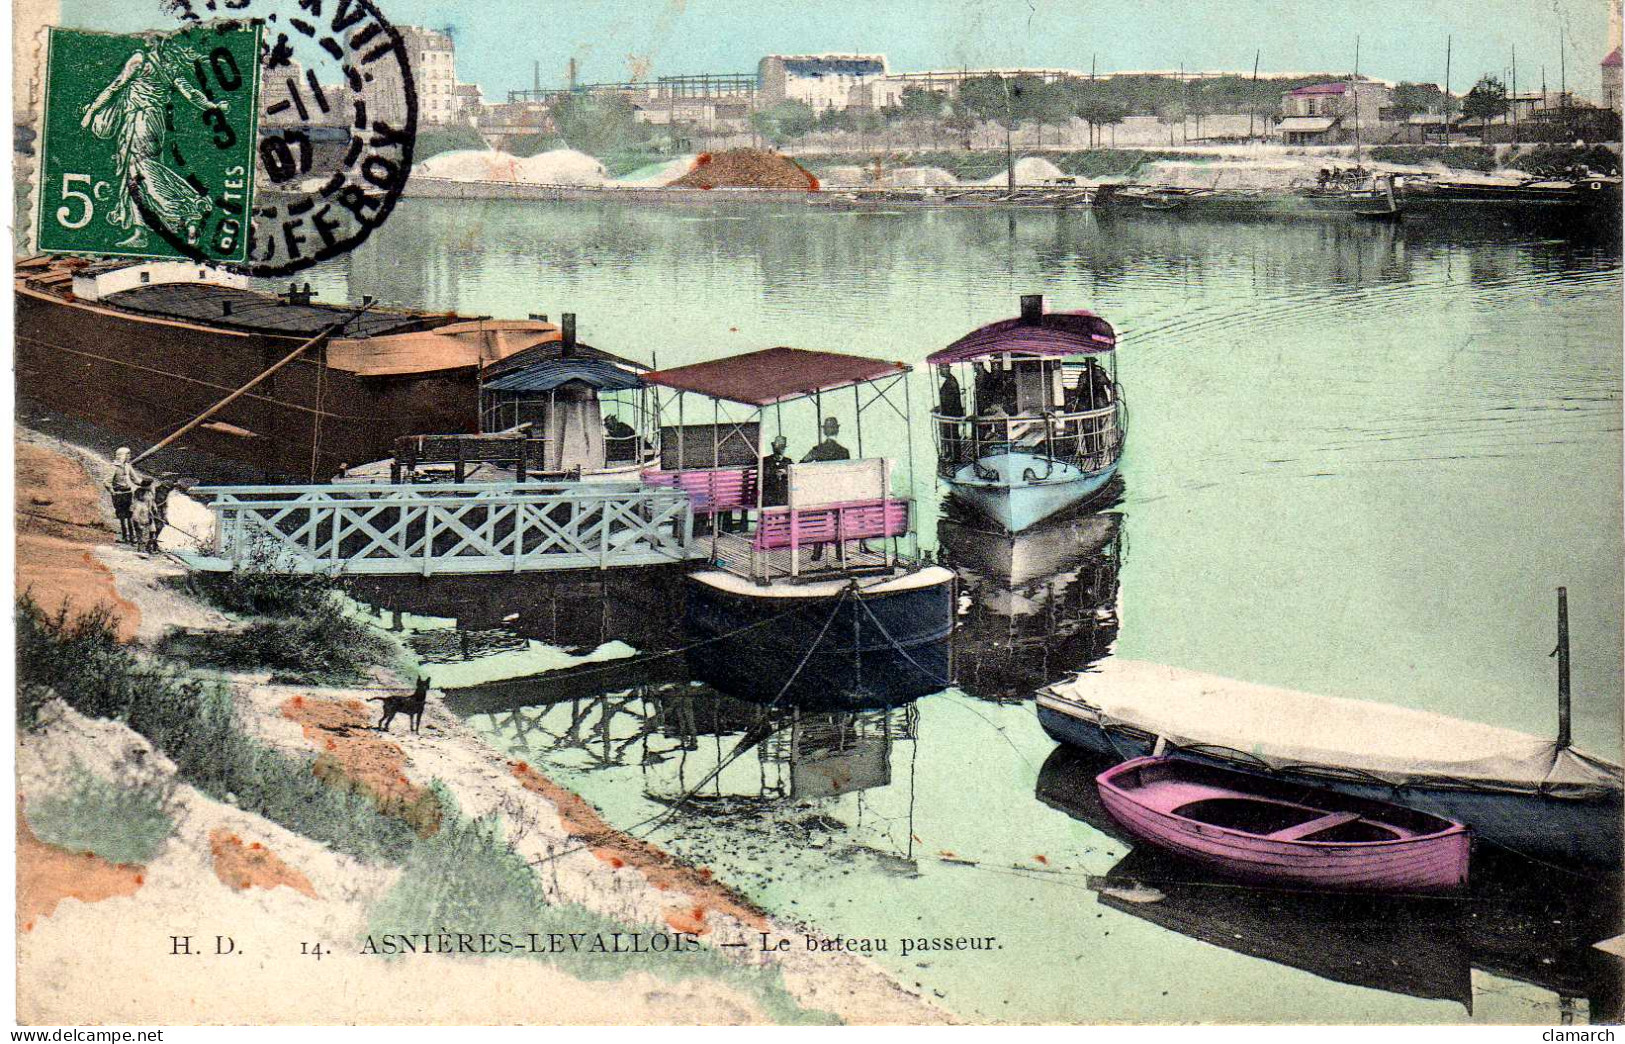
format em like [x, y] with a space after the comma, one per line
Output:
[829, 449]
[776, 475]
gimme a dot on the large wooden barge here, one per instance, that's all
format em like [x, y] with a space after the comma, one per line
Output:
[139, 349]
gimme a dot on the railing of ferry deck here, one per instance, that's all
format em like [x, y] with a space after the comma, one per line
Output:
[1090, 440]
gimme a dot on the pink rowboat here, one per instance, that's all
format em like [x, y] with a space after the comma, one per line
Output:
[1270, 832]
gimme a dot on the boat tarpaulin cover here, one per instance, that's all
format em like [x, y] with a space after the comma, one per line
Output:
[552, 373]
[774, 375]
[1287, 729]
[1054, 334]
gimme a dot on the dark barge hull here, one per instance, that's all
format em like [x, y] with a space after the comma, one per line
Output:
[881, 647]
[1542, 825]
[143, 377]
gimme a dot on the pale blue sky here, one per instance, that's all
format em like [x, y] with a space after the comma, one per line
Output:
[497, 40]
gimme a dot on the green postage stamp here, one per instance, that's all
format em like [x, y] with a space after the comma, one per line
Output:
[150, 142]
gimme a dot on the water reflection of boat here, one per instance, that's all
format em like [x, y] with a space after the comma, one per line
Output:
[1045, 430]
[703, 752]
[1041, 603]
[1514, 923]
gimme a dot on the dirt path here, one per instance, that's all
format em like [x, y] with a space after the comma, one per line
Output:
[61, 522]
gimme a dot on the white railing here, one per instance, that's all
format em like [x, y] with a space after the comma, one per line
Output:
[428, 530]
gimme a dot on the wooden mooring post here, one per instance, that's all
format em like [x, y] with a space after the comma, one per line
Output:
[1562, 654]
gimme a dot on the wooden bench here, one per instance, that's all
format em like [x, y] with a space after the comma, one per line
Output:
[859, 520]
[711, 489]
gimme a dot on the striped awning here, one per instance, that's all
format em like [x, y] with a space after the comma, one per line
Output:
[547, 374]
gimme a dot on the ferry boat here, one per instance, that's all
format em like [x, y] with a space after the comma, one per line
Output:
[141, 348]
[808, 583]
[1046, 428]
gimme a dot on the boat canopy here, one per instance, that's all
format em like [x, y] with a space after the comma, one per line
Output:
[773, 375]
[1327, 734]
[1050, 335]
[548, 374]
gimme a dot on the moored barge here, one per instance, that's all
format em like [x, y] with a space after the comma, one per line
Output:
[140, 349]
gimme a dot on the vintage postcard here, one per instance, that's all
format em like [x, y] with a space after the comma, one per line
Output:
[747, 512]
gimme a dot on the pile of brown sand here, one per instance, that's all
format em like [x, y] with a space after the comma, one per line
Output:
[747, 168]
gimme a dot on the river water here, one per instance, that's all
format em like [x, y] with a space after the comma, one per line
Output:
[1361, 458]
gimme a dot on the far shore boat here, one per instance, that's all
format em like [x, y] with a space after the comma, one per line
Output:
[1284, 834]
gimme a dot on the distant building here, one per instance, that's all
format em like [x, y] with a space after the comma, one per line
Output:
[1610, 81]
[441, 99]
[821, 81]
[1327, 113]
[515, 119]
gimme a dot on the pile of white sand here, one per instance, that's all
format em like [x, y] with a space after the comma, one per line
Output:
[1030, 170]
[562, 167]
[558, 167]
[846, 177]
[920, 176]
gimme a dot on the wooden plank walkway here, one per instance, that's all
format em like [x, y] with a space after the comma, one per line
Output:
[430, 530]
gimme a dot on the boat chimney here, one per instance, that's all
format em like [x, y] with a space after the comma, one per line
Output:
[1562, 654]
[568, 331]
[225, 307]
[1032, 309]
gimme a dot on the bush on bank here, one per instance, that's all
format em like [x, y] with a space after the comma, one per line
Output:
[80, 660]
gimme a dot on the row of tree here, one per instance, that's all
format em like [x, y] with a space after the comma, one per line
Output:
[600, 122]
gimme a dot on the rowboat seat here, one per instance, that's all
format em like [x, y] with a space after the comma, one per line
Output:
[1314, 826]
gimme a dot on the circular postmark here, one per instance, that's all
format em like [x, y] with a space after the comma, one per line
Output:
[338, 120]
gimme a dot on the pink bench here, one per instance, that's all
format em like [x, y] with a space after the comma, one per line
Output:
[858, 520]
[711, 489]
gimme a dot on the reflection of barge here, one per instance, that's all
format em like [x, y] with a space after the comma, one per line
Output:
[140, 349]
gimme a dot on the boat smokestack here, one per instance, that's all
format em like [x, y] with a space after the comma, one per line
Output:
[1032, 308]
[1562, 654]
[568, 332]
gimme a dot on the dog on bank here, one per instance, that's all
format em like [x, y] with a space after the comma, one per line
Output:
[411, 706]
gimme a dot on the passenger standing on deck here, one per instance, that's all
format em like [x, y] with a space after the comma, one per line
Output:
[829, 449]
[121, 484]
[950, 398]
[776, 475]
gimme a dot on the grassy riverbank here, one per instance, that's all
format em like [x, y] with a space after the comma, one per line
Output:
[172, 781]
